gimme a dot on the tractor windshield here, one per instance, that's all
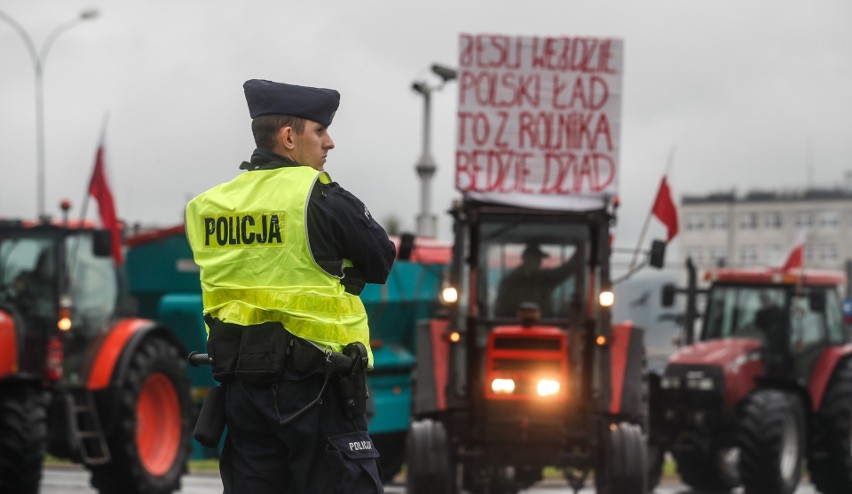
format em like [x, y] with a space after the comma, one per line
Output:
[744, 311]
[93, 286]
[524, 260]
[28, 276]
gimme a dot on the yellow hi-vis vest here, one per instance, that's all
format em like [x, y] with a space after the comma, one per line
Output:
[249, 237]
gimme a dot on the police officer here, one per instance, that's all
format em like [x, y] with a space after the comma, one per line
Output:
[284, 253]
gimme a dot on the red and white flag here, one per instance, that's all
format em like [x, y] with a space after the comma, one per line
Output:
[796, 255]
[99, 189]
[664, 209]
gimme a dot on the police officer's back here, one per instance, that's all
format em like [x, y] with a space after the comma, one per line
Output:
[284, 252]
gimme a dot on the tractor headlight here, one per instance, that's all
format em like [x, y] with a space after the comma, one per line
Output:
[503, 386]
[701, 384]
[547, 387]
[449, 295]
[669, 382]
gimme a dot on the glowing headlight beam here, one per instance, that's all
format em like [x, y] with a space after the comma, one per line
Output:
[547, 387]
[503, 386]
[450, 295]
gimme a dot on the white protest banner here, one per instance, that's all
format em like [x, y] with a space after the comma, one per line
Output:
[539, 120]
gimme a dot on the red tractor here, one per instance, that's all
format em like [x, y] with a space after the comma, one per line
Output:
[78, 378]
[766, 387]
[505, 386]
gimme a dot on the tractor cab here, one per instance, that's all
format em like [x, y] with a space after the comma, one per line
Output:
[79, 379]
[61, 285]
[528, 261]
[791, 316]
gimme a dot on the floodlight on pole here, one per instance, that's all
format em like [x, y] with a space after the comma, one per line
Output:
[426, 220]
[39, 58]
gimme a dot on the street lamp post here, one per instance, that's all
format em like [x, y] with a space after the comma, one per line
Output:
[39, 58]
[426, 220]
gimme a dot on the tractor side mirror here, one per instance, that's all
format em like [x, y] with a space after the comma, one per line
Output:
[816, 300]
[406, 246]
[667, 295]
[658, 254]
[102, 243]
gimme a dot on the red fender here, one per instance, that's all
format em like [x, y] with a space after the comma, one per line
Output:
[618, 362]
[440, 359]
[626, 364]
[8, 346]
[823, 371]
[109, 352]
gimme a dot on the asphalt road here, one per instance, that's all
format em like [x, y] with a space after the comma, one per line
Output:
[75, 480]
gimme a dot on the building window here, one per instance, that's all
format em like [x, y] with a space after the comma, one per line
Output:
[718, 255]
[694, 222]
[772, 255]
[772, 220]
[829, 220]
[803, 219]
[748, 221]
[748, 255]
[719, 221]
[827, 253]
[696, 254]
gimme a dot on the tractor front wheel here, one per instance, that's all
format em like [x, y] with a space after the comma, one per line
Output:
[23, 437]
[622, 462]
[772, 442]
[430, 467]
[150, 442]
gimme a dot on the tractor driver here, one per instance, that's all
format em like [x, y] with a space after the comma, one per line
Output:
[35, 288]
[529, 282]
[284, 253]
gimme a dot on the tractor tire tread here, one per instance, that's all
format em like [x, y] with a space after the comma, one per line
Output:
[23, 437]
[126, 473]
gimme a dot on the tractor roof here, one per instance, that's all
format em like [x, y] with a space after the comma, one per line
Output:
[16, 224]
[771, 276]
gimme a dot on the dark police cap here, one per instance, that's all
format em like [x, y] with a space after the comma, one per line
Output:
[278, 98]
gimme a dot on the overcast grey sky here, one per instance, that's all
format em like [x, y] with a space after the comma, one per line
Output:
[737, 88]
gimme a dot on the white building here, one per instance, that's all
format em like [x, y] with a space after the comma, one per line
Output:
[759, 228]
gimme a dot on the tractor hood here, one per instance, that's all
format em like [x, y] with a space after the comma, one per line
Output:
[736, 362]
[719, 353]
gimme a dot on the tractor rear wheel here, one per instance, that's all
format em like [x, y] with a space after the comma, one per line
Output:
[150, 442]
[23, 437]
[622, 463]
[772, 441]
[830, 462]
[430, 467]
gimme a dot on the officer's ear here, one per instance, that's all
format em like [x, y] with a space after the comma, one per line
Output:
[286, 138]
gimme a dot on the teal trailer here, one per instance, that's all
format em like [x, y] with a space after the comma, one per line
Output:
[163, 279]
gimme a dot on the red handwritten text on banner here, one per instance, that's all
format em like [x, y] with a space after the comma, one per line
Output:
[538, 116]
